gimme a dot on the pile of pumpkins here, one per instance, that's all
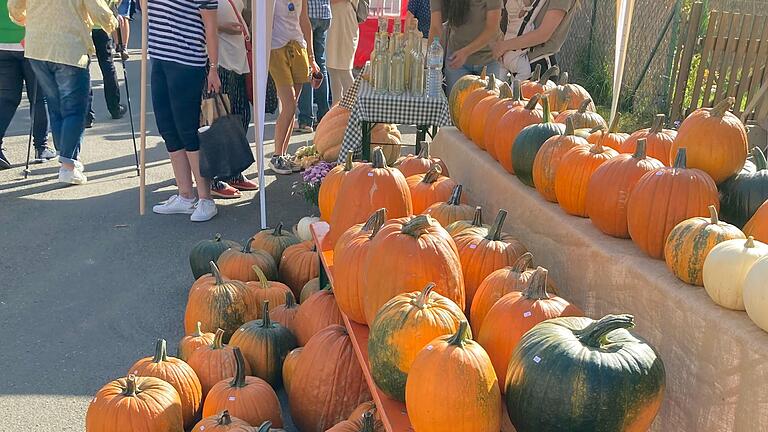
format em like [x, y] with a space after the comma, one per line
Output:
[660, 188]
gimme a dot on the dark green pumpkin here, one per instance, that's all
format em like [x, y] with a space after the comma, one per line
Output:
[206, 251]
[607, 379]
[530, 140]
[742, 194]
[264, 344]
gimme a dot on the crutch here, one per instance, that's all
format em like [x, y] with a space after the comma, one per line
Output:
[128, 95]
[32, 107]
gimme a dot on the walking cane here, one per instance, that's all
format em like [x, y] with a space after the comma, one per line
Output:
[128, 95]
[32, 107]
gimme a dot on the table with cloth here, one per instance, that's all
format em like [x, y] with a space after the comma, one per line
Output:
[716, 359]
[369, 107]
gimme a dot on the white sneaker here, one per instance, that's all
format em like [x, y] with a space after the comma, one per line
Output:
[79, 165]
[175, 205]
[75, 176]
[205, 210]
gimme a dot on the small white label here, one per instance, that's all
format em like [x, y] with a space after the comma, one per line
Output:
[231, 398]
[370, 174]
[658, 173]
[202, 428]
[527, 314]
[536, 359]
[136, 372]
[473, 246]
[430, 347]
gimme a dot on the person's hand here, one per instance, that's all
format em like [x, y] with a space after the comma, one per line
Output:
[233, 28]
[214, 83]
[499, 49]
[314, 68]
[457, 59]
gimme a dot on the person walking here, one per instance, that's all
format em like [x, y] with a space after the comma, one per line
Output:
[58, 46]
[105, 53]
[342, 44]
[291, 62]
[320, 18]
[15, 74]
[125, 15]
[183, 39]
[233, 67]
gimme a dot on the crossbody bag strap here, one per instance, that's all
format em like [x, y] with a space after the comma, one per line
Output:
[246, 33]
[532, 13]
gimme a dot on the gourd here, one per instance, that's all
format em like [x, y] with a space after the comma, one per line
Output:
[452, 386]
[539, 84]
[318, 312]
[402, 327]
[715, 139]
[548, 158]
[529, 141]
[452, 210]
[223, 422]
[271, 291]
[497, 111]
[461, 89]
[329, 133]
[474, 97]
[298, 265]
[608, 379]
[658, 140]
[206, 251]
[429, 188]
[214, 363]
[567, 95]
[274, 241]
[690, 241]
[743, 194]
[512, 123]
[329, 187]
[421, 163]
[574, 173]
[189, 343]
[476, 120]
[238, 264]
[216, 303]
[726, 267]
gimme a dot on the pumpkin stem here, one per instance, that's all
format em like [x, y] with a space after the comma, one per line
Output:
[563, 79]
[505, 91]
[265, 427]
[225, 419]
[760, 163]
[216, 273]
[713, 219]
[461, 335]
[424, 153]
[381, 218]
[750, 243]
[532, 102]
[198, 331]
[569, 129]
[421, 300]
[263, 281]
[265, 321]
[348, 161]
[594, 334]
[517, 93]
[239, 379]
[536, 75]
[680, 159]
[483, 73]
[455, 198]
[278, 230]
[477, 219]
[584, 105]
[217, 237]
[247, 247]
[130, 386]
[218, 340]
[522, 263]
[491, 86]
[494, 234]
[368, 422]
[723, 106]
[658, 124]
[161, 354]
[549, 73]
[547, 114]
[416, 226]
[640, 149]
[433, 174]
[378, 159]
[614, 126]
[290, 302]
[537, 287]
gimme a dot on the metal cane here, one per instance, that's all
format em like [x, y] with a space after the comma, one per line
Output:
[128, 96]
[32, 107]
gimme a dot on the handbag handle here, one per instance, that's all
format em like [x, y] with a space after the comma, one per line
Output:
[246, 33]
[221, 103]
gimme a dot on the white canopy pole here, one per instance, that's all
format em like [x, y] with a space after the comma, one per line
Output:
[143, 103]
[624, 10]
[262, 12]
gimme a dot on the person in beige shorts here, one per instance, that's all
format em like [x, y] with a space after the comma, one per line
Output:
[291, 63]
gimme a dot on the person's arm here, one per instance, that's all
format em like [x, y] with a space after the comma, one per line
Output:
[306, 29]
[490, 33]
[210, 21]
[17, 10]
[436, 27]
[101, 14]
[550, 22]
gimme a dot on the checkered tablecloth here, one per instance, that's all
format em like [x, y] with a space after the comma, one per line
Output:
[387, 108]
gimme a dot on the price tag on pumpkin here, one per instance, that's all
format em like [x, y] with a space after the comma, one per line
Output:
[536, 359]
[231, 398]
[527, 314]
[473, 246]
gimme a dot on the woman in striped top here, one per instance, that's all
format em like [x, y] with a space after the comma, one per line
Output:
[183, 39]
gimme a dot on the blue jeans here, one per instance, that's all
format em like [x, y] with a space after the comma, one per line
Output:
[105, 50]
[176, 97]
[15, 72]
[66, 90]
[309, 96]
[453, 75]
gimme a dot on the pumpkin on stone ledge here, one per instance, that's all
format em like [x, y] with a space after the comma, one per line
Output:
[547, 160]
[726, 268]
[476, 121]
[567, 95]
[583, 117]
[429, 188]
[658, 140]
[743, 194]
[529, 141]
[452, 210]
[497, 111]
[512, 123]
[539, 83]
[608, 138]
[420, 163]
[461, 90]
[573, 175]
[466, 112]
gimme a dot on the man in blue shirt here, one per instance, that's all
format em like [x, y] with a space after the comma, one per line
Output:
[420, 10]
[320, 17]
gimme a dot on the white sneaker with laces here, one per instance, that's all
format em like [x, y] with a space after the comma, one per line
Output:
[175, 205]
[74, 176]
[205, 210]
[45, 155]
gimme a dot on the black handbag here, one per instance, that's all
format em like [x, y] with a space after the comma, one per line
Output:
[224, 148]
[270, 100]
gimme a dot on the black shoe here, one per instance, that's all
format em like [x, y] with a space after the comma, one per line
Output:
[89, 123]
[121, 111]
[4, 163]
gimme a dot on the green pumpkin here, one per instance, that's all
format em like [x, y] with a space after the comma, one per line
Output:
[580, 375]
[529, 141]
[264, 344]
[206, 251]
[455, 228]
[742, 194]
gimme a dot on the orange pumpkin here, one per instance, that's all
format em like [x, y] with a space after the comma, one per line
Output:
[223, 422]
[497, 111]
[567, 95]
[271, 291]
[367, 188]
[330, 133]
[516, 313]
[216, 303]
[485, 250]
[715, 139]
[248, 398]
[548, 159]
[238, 264]
[429, 188]
[214, 363]
[274, 241]
[329, 188]
[480, 113]
[315, 314]
[123, 404]
[511, 124]
[420, 163]
[663, 198]
[459, 226]
[658, 140]
[539, 83]
[309, 288]
[452, 210]
[609, 188]
[757, 226]
[409, 252]
[474, 97]
[612, 138]
[352, 250]
[285, 314]
[452, 387]
[289, 366]
[583, 117]
[298, 265]
[461, 90]
[366, 423]
[189, 343]
[575, 170]
[330, 382]
[176, 373]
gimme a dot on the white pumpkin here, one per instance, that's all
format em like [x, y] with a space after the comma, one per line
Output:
[756, 293]
[725, 268]
[302, 228]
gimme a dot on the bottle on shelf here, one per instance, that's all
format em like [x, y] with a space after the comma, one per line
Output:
[397, 71]
[382, 68]
[435, 69]
[416, 76]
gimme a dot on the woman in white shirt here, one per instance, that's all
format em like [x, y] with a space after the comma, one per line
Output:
[341, 46]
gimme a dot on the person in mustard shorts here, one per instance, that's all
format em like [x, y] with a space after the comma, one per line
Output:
[291, 63]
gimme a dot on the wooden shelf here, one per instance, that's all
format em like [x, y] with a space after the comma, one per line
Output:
[392, 412]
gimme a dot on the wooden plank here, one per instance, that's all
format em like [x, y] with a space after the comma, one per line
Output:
[686, 57]
[761, 60]
[674, 109]
[727, 58]
[706, 53]
[722, 31]
[736, 67]
[750, 65]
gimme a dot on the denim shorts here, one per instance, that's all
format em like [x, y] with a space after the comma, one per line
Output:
[124, 9]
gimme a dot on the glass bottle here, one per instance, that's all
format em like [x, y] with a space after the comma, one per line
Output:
[382, 68]
[416, 86]
[397, 71]
[374, 60]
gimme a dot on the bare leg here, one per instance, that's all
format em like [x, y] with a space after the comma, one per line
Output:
[297, 92]
[126, 29]
[181, 171]
[288, 96]
[203, 184]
